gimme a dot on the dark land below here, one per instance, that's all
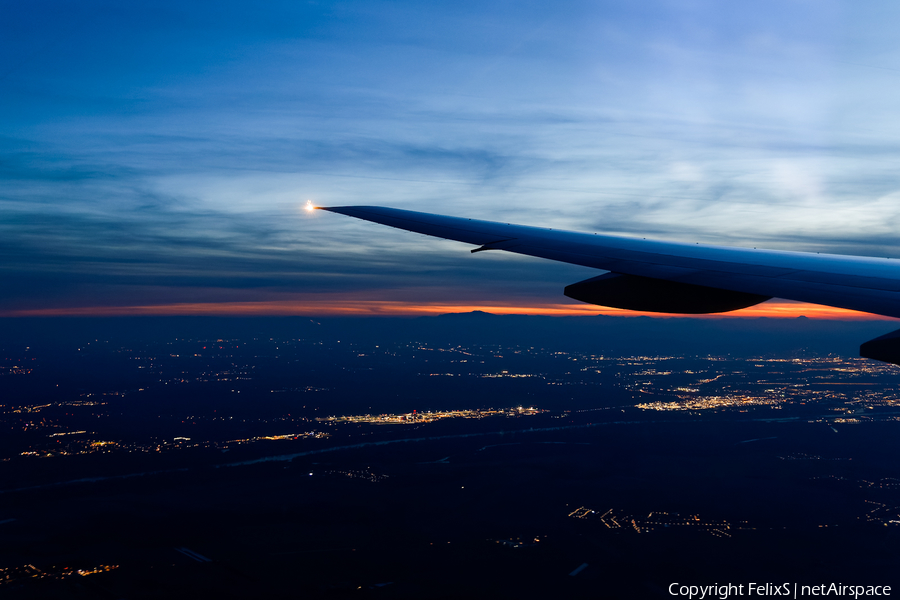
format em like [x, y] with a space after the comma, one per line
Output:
[154, 455]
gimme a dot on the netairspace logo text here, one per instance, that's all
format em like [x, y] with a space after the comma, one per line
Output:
[784, 590]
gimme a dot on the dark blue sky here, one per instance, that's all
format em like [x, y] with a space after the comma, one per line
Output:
[159, 153]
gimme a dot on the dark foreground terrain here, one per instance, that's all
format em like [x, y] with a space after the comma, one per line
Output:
[234, 466]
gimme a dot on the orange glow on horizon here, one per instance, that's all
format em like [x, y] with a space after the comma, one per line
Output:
[388, 308]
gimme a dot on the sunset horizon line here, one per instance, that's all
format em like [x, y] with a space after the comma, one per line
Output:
[382, 308]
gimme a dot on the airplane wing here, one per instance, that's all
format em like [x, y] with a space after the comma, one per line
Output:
[671, 277]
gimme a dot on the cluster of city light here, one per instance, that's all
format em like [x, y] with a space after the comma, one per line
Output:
[34, 408]
[711, 403]
[365, 474]
[654, 520]
[62, 433]
[88, 446]
[885, 483]
[805, 456]
[507, 374]
[652, 372]
[12, 575]
[883, 514]
[287, 436]
[77, 447]
[431, 416]
[520, 542]
[95, 570]
[833, 374]
[31, 408]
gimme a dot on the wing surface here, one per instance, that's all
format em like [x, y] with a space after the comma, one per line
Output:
[858, 283]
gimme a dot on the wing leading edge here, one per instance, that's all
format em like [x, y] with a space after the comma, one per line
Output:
[672, 277]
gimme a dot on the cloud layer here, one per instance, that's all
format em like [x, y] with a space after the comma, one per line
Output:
[162, 154]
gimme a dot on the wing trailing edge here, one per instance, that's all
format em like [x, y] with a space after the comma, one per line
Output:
[679, 278]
